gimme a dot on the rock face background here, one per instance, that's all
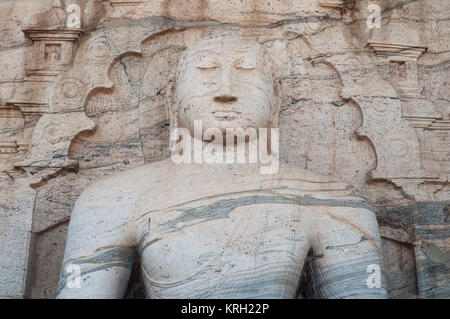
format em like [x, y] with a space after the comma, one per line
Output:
[83, 98]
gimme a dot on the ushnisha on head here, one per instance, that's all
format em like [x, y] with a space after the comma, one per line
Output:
[226, 82]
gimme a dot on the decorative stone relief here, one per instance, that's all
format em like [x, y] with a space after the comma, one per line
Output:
[50, 145]
[77, 106]
[398, 44]
[238, 75]
[52, 50]
[381, 111]
[50, 54]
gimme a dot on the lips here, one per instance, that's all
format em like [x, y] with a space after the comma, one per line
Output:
[226, 115]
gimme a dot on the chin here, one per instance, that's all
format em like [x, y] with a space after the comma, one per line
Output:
[230, 124]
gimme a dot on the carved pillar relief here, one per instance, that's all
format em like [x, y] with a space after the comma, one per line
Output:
[398, 44]
[52, 50]
[53, 45]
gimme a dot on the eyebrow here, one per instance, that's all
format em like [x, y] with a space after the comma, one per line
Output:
[195, 55]
[209, 50]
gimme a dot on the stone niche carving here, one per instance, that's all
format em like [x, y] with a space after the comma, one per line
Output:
[347, 110]
[398, 47]
[222, 230]
[400, 44]
[52, 50]
[140, 85]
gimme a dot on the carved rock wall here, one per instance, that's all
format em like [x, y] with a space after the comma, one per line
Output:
[80, 100]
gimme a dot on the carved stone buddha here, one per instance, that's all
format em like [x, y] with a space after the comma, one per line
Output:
[222, 230]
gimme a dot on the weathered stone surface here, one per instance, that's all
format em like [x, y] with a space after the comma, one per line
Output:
[45, 262]
[400, 269]
[88, 92]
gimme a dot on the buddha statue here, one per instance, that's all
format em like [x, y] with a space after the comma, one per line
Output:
[222, 230]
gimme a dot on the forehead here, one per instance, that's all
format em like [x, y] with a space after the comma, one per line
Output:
[224, 49]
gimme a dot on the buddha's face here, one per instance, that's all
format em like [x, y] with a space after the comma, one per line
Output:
[225, 83]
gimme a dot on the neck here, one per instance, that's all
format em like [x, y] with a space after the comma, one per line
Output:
[259, 153]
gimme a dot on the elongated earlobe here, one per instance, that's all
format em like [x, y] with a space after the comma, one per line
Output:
[172, 107]
[275, 109]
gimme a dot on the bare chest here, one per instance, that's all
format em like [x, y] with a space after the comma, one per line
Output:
[211, 246]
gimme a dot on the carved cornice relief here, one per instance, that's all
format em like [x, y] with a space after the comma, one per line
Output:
[398, 43]
[52, 50]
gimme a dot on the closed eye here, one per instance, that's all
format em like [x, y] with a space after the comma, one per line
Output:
[206, 68]
[245, 68]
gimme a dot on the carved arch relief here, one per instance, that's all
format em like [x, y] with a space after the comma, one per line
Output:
[394, 139]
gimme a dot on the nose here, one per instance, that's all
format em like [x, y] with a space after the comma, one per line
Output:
[225, 99]
[225, 95]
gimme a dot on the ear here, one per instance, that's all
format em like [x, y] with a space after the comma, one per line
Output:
[275, 109]
[171, 101]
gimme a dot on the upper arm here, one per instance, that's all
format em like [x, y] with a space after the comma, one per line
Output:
[347, 248]
[100, 245]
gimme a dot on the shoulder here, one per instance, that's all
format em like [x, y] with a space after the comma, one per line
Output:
[124, 185]
[295, 171]
[312, 181]
[102, 214]
[113, 197]
[335, 193]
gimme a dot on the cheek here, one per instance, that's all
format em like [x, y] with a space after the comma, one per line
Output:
[256, 102]
[261, 118]
[257, 89]
[194, 108]
[196, 104]
[195, 83]
[256, 111]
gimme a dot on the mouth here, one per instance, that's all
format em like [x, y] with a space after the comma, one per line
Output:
[226, 115]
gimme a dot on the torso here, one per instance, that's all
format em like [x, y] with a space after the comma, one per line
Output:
[227, 234]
